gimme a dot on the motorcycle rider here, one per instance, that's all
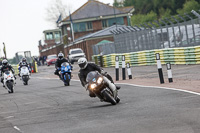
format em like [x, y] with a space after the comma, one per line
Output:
[58, 63]
[86, 67]
[23, 62]
[6, 67]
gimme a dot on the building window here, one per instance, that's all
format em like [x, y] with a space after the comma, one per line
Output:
[82, 27]
[57, 35]
[49, 36]
[89, 25]
[79, 27]
[104, 23]
[114, 21]
[64, 30]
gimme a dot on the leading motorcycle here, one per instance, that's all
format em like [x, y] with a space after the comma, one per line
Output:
[9, 81]
[65, 73]
[101, 87]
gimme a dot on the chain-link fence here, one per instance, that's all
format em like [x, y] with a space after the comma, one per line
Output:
[132, 39]
[104, 48]
[169, 33]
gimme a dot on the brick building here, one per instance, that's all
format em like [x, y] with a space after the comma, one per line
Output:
[92, 17]
[52, 39]
[89, 21]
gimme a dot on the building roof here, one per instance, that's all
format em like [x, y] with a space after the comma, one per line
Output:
[92, 9]
[101, 33]
[51, 30]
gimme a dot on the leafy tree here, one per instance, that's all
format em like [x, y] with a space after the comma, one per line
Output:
[12, 61]
[145, 6]
[129, 3]
[118, 3]
[161, 8]
[189, 6]
[53, 11]
[164, 13]
[141, 18]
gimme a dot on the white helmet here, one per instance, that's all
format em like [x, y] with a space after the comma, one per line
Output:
[60, 56]
[82, 62]
[5, 62]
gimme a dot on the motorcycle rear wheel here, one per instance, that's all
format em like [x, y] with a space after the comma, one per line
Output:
[109, 98]
[117, 99]
[25, 82]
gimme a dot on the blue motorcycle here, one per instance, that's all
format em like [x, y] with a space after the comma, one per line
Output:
[65, 73]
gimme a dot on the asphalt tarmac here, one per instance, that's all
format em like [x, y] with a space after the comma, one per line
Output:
[47, 106]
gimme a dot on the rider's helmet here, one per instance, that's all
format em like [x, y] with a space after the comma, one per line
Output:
[82, 62]
[4, 62]
[60, 56]
[23, 59]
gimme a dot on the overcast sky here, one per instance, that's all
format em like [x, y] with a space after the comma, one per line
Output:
[23, 21]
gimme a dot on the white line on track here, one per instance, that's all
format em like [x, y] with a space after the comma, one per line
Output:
[15, 127]
[166, 88]
[9, 117]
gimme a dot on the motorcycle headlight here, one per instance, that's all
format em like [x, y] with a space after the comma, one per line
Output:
[92, 86]
[100, 79]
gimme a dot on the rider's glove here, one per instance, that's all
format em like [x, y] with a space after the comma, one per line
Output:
[103, 72]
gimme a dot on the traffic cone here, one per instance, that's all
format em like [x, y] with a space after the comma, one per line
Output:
[32, 70]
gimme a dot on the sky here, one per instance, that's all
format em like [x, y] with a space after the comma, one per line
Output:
[22, 23]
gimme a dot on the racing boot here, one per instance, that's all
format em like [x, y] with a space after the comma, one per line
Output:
[118, 87]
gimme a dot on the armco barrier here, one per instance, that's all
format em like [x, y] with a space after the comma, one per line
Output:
[182, 55]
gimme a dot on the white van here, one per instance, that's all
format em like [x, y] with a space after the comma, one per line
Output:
[75, 54]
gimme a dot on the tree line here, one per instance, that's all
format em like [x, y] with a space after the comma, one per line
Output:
[150, 10]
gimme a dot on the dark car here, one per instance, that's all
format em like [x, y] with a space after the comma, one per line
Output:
[51, 59]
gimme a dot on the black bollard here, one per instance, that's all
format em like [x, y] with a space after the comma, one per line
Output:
[117, 67]
[123, 68]
[160, 72]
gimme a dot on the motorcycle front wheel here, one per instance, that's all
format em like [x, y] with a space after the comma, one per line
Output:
[10, 87]
[66, 79]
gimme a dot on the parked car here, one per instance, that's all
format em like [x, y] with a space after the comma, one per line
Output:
[51, 59]
[75, 54]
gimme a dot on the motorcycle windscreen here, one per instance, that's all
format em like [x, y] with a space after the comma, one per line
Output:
[65, 64]
[7, 72]
[92, 76]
